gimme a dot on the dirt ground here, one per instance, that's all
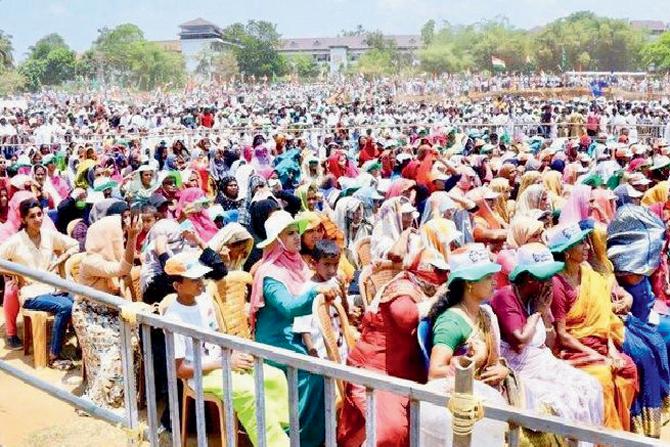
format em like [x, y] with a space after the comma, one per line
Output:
[32, 418]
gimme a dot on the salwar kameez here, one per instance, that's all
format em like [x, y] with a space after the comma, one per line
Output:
[244, 402]
[274, 327]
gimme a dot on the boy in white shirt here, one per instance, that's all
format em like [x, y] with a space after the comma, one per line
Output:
[326, 257]
[194, 306]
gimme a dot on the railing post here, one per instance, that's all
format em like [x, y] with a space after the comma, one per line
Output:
[462, 386]
[129, 385]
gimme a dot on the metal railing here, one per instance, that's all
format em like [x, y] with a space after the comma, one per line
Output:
[330, 371]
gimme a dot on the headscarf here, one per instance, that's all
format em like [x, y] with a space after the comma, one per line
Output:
[344, 211]
[622, 196]
[603, 211]
[598, 253]
[530, 199]
[83, 178]
[387, 230]
[307, 160]
[484, 211]
[281, 265]
[577, 206]
[226, 202]
[201, 221]
[105, 238]
[399, 186]
[437, 204]
[302, 192]
[635, 239]
[151, 266]
[231, 234]
[438, 234]
[570, 173]
[522, 229]
[136, 191]
[527, 179]
[334, 168]
[259, 213]
[502, 205]
[218, 169]
[368, 152]
[106, 207]
[552, 181]
[657, 194]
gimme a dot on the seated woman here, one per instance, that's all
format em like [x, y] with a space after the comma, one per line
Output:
[551, 385]
[280, 293]
[194, 306]
[395, 216]
[234, 244]
[42, 249]
[463, 327]
[98, 327]
[589, 334]
[389, 345]
[489, 228]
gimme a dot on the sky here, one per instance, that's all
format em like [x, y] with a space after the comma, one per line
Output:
[78, 20]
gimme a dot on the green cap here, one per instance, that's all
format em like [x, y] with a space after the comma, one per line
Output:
[536, 259]
[471, 263]
[564, 237]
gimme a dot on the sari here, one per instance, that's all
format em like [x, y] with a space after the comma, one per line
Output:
[603, 209]
[201, 221]
[657, 194]
[551, 385]
[590, 320]
[502, 206]
[438, 234]
[577, 206]
[530, 199]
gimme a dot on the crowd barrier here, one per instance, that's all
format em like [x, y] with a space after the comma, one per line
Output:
[139, 429]
[190, 138]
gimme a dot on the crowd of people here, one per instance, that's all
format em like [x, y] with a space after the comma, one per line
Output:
[537, 252]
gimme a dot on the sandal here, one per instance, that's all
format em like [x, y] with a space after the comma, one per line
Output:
[62, 365]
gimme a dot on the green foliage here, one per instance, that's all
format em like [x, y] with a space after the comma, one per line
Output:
[11, 82]
[50, 62]
[303, 65]
[6, 58]
[580, 41]
[357, 32]
[428, 32]
[122, 55]
[375, 63]
[215, 64]
[256, 54]
[658, 53]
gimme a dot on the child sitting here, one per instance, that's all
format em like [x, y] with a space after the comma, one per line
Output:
[195, 307]
[326, 256]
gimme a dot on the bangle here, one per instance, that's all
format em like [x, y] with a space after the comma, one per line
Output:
[549, 328]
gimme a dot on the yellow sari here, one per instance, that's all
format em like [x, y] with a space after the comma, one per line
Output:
[592, 321]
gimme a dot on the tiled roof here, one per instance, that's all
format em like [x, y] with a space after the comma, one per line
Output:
[197, 22]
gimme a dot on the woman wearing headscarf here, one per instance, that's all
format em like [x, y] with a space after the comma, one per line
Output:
[528, 178]
[228, 193]
[311, 168]
[98, 327]
[218, 169]
[55, 185]
[524, 230]
[252, 184]
[191, 206]
[39, 187]
[371, 201]
[503, 206]
[534, 197]
[259, 212]
[340, 166]
[553, 183]
[441, 235]
[143, 183]
[389, 345]
[439, 204]
[395, 216]
[349, 217]
[488, 227]
[308, 194]
[234, 244]
[603, 206]
[401, 187]
[281, 291]
[577, 207]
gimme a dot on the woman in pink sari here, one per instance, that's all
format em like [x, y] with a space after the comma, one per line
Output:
[603, 206]
[577, 207]
[191, 207]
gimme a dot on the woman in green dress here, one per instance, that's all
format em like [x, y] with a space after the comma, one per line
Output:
[283, 290]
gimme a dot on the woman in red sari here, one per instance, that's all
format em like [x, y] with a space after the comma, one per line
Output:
[390, 324]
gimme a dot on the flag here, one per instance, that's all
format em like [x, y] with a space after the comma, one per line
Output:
[498, 64]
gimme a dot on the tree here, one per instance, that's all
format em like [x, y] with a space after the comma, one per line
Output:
[357, 32]
[257, 51]
[428, 32]
[214, 64]
[11, 82]
[375, 63]
[658, 53]
[6, 49]
[50, 62]
[303, 65]
[122, 55]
